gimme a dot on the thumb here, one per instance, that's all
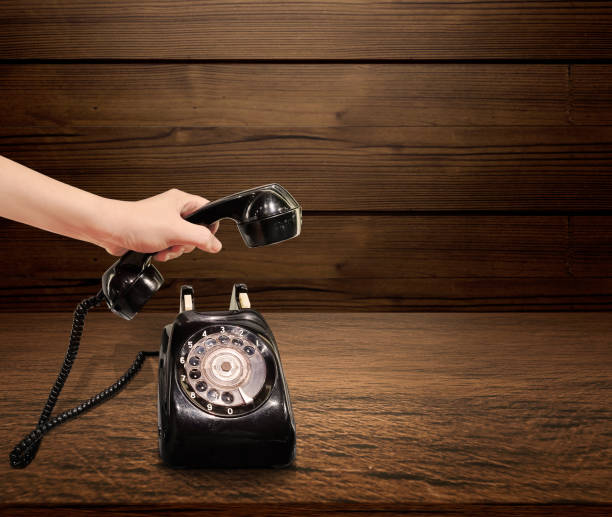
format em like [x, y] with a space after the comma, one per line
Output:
[198, 236]
[189, 203]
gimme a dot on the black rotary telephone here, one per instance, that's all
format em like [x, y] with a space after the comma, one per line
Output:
[223, 399]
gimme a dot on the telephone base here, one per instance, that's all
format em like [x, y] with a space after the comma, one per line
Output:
[242, 416]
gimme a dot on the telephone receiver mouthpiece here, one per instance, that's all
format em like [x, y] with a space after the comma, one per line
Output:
[264, 215]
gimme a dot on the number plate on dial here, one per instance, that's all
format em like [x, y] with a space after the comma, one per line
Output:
[226, 370]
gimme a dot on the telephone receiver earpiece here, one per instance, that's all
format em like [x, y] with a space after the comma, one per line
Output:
[264, 215]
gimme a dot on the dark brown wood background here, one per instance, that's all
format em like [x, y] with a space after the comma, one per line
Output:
[448, 155]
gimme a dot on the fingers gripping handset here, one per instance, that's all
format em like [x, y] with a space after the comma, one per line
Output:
[264, 215]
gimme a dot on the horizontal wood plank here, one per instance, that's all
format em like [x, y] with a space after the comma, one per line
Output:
[331, 246]
[344, 168]
[283, 95]
[478, 408]
[350, 263]
[305, 30]
[591, 94]
[339, 262]
[592, 246]
[345, 509]
[296, 295]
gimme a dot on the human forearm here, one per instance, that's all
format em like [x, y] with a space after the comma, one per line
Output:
[151, 225]
[37, 200]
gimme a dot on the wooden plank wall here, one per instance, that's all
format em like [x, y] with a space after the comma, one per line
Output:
[448, 155]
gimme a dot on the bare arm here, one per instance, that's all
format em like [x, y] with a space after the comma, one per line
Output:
[149, 225]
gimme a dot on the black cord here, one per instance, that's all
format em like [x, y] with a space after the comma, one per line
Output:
[24, 452]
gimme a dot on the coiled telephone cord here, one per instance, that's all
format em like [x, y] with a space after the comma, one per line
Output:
[24, 452]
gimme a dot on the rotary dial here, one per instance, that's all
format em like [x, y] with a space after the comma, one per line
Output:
[226, 370]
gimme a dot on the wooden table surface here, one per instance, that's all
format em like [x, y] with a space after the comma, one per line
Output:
[434, 412]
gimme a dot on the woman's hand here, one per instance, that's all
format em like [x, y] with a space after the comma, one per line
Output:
[156, 224]
[151, 225]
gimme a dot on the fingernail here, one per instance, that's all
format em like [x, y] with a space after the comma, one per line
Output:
[216, 245]
[172, 256]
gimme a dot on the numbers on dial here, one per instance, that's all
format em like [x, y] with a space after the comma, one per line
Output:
[226, 370]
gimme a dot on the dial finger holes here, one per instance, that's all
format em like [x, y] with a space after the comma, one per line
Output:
[201, 386]
[225, 370]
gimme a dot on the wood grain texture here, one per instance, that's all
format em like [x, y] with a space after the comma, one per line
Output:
[298, 295]
[311, 30]
[331, 100]
[592, 251]
[350, 262]
[368, 262]
[336, 509]
[591, 87]
[283, 95]
[342, 168]
[440, 409]
[353, 246]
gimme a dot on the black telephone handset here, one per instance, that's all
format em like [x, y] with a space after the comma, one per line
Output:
[223, 399]
[264, 215]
